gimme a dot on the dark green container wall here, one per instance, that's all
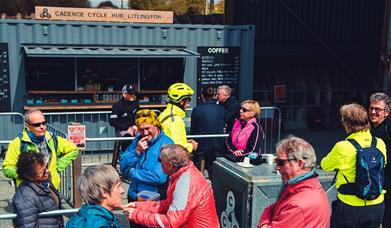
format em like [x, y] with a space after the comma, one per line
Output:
[19, 32]
[293, 24]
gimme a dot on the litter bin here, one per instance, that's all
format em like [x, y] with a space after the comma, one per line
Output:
[243, 193]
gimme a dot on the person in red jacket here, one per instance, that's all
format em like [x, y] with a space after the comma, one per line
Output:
[302, 201]
[190, 201]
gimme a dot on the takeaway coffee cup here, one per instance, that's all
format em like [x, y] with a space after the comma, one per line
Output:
[246, 161]
[269, 158]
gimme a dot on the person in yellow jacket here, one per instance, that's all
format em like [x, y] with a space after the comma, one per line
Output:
[35, 138]
[171, 119]
[349, 210]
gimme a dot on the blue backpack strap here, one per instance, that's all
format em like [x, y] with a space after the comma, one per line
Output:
[355, 144]
[55, 140]
[23, 145]
[374, 142]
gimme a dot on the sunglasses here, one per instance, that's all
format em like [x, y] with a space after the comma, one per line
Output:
[245, 109]
[140, 114]
[37, 124]
[281, 162]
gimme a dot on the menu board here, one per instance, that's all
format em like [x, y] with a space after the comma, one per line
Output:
[218, 66]
[5, 96]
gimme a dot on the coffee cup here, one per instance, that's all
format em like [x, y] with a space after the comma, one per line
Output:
[246, 161]
[269, 158]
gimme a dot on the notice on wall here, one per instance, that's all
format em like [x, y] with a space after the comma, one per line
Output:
[77, 135]
[5, 95]
[106, 15]
[218, 66]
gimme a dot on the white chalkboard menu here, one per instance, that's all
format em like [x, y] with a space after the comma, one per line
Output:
[218, 66]
[5, 98]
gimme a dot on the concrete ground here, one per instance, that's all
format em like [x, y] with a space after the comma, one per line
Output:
[322, 141]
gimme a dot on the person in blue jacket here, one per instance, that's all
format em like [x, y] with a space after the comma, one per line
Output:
[140, 162]
[101, 190]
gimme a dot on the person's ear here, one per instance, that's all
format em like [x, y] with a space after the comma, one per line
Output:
[105, 195]
[386, 113]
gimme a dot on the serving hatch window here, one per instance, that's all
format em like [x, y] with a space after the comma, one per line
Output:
[105, 74]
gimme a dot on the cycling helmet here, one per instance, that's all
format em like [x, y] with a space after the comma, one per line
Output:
[178, 91]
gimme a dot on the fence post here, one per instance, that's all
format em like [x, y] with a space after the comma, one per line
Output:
[76, 170]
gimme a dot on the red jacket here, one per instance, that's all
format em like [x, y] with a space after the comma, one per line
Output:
[192, 204]
[303, 204]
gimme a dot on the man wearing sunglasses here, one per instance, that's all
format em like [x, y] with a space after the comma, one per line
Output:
[302, 201]
[140, 162]
[379, 110]
[36, 138]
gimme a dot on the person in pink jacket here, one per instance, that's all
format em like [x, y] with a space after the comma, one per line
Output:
[190, 201]
[302, 201]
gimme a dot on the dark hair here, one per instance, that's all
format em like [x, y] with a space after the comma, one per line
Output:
[107, 4]
[207, 92]
[26, 164]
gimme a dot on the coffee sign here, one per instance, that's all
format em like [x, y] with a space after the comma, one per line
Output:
[107, 15]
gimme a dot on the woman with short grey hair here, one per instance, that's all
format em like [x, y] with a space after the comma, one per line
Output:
[100, 188]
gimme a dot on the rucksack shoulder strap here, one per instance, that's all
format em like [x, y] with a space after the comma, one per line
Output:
[55, 140]
[374, 142]
[166, 118]
[355, 144]
[23, 145]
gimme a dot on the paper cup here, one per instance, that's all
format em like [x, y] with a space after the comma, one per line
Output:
[246, 161]
[269, 158]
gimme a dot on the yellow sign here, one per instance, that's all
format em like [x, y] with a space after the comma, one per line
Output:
[106, 15]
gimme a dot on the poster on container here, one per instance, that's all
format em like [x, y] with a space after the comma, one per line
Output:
[279, 93]
[77, 135]
[218, 66]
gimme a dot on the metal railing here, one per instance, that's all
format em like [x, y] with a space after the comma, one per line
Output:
[270, 120]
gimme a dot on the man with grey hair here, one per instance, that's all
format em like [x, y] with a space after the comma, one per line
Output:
[190, 201]
[302, 201]
[379, 110]
[230, 105]
[36, 138]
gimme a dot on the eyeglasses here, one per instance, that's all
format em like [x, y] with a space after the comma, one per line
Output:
[243, 109]
[37, 124]
[281, 162]
[377, 110]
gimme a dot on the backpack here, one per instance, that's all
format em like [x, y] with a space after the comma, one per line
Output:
[369, 179]
[23, 144]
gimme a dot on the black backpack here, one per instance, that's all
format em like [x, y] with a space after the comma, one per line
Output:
[369, 179]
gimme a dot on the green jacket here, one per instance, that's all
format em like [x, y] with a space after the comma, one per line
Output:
[343, 158]
[60, 160]
[171, 120]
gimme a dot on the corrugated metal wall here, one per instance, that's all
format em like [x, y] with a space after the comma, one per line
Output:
[302, 23]
[19, 32]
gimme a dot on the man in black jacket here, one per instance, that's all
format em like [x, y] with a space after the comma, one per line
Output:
[122, 115]
[379, 110]
[230, 105]
[207, 118]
